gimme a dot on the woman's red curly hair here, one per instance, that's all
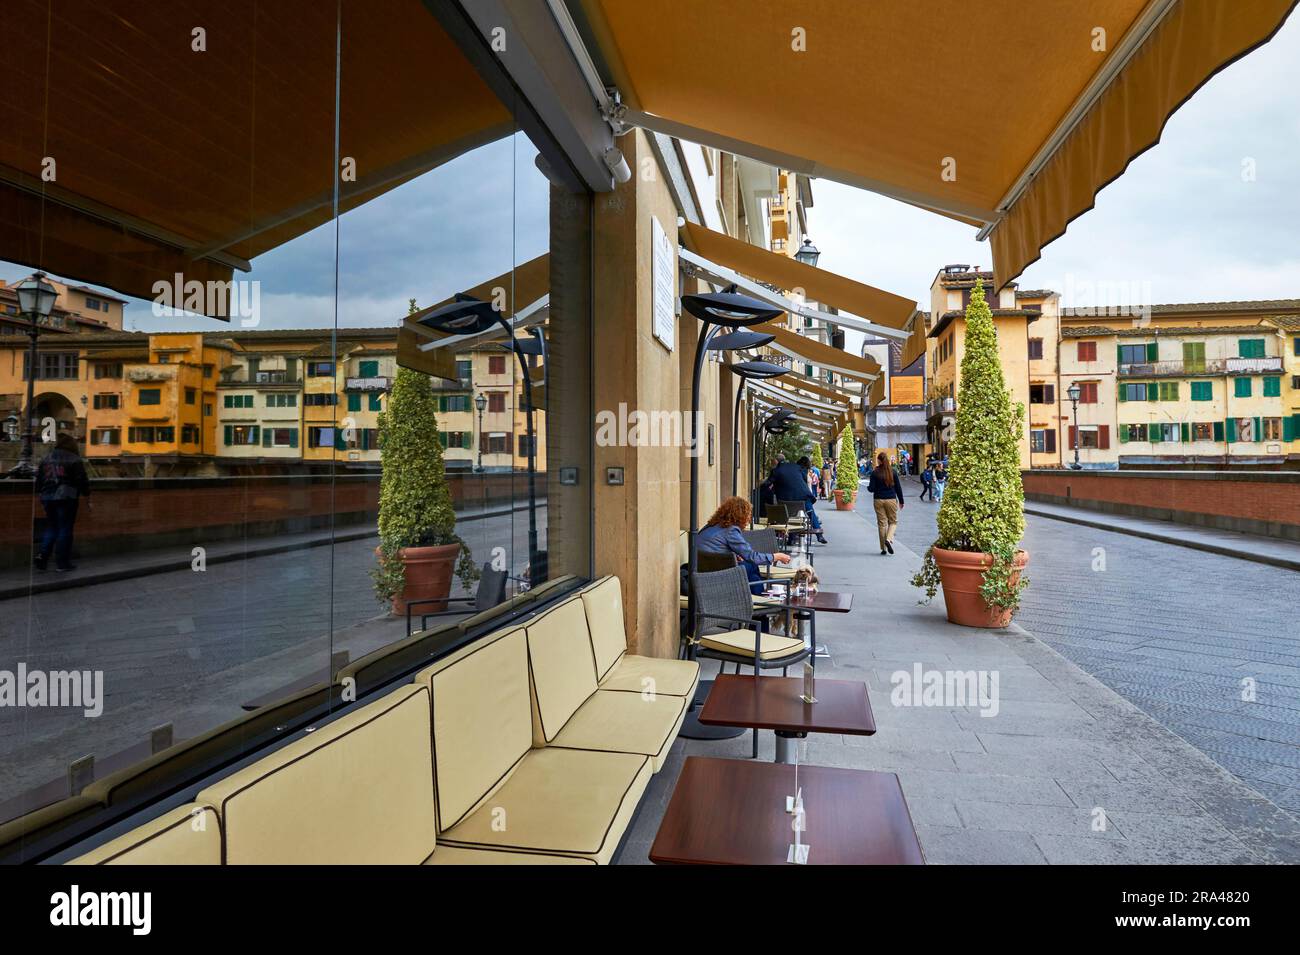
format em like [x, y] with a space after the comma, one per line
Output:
[733, 512]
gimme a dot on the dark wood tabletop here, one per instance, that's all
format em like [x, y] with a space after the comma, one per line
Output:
[732, 812]
[776, 703]
[822, 601]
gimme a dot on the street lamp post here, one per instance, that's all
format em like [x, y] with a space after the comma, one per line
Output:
[1073, 393]
[35, 300]
[480, 402]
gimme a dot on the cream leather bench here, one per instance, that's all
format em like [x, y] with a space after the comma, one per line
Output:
[616, 669]
[494, 790]
[187, 835]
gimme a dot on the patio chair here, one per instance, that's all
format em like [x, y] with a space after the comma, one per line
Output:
[730, 629]
[776, 514]
[709, 563]
[491, 591]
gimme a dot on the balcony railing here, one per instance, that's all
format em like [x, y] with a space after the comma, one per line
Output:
[378, 383]
[1209, 366]
[939, 406]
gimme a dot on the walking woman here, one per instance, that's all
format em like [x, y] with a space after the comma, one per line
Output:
[887, 490]
[61, 482]
[721, 535]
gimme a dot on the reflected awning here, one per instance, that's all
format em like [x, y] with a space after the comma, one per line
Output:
[810, 350]
[915, 345]
[1016, 116]
[813, 284]
[877, 394]
[170, 161]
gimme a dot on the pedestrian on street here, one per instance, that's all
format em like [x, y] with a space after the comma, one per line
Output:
[828, 481]
[927, 482]
[790, 483]
[886, 489]
[940, 481]
[60, 482]
[815, 483]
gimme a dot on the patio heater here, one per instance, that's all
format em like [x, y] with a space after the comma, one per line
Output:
[36, 299]
[715, 310]
[470, 316]
[1073, 393]
[747, 370]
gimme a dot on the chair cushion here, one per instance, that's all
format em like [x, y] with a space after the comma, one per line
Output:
[604, 605]
[187, 835]
[573, 801]
[455, 855]
[563, 667]
[741, 644]
[639, 674]
[358, 790]
[625, 721]
[482, 720]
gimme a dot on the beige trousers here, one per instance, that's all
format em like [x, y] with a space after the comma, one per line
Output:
[886, 519]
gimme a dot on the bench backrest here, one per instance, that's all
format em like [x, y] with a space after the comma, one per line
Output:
[356, 791]
[187, 835]
[563, 667]
[482, 723]
[603, 603]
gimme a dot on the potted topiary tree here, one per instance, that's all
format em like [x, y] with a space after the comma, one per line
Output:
[846, 473]
[976, 558]
[418, 548]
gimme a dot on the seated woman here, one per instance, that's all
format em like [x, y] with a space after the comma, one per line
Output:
[721, 535]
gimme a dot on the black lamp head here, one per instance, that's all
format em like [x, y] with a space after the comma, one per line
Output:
[729, 308]
[758, 369]
[740, 340]
[779, 422]
[464, 316]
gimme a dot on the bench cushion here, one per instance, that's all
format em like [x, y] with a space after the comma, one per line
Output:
[563, 667]
[741, 643]
[654, 674]
[482, 721]
[571, 801]
[187, 835]
[603, 603]
[455, 855]
[358, 790]
[621, 721]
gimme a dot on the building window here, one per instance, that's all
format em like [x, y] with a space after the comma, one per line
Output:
[1273, 387]
[96, 305]
[1193, 357]
[1042, 440]
[318, 400]
[140, 435]
[239, 401]
[1132, 391]
[274, 377]
[497, 444]
[281, 400]
[376, 401]
[1042, 394]
[464, 369]
[1250, 347]
[1094, 436]
[1087, 392]
[320, 369]
[207, 410]
[1202, 431]
[108, 369]
[454, 439]
[1272, 429]
[1132, 432]
[52, 366]
[320, 437]
[105, 436]
[1087, 351]
[207, 371]
[369, 369]
[241, 435]
[1035, 348]
[1169, 431]
[1202, 391]
[150, 396]
[103, 402]
[1168, 391]
[496, 364]
[280, 438]
[1132, 354]
[191, 396]
[1241, 387]
[496, 401]
[453, 403]
[189, 434]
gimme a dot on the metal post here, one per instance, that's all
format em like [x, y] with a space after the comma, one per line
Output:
[24, 467]
[735, 438]
[1078, 435]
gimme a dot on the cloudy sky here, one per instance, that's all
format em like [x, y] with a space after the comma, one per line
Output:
[1183, 224]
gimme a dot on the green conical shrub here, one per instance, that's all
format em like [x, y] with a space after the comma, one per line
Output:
[846, 469]
[817, 459]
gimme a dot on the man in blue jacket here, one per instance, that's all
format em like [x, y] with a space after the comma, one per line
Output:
[790, 482]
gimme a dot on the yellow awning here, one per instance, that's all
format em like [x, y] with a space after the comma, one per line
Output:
[877, 394]
[817, 353]
[928, 102]
[171, 161]
[915, 346]
[817, 285]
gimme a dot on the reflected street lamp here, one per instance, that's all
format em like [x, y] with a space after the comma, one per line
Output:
[1073, 393]
[480, 402]
[35, 300]
[808, 253]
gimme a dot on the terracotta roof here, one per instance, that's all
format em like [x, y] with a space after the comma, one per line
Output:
[947, 319]
[1256, 305]
[1284, 321]
[1152, 331]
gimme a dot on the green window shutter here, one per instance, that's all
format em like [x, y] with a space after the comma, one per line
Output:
[266, 438]
[370, 369]
[354, 402]
[1153, 433]
[1232, 429]
[1153, 391]
[1153, 351]
[293, 437]
[376, 402]
[1272, 387]
[339, 443]
[1241, 387]
[1288, 428]
[1119, 354]
[1259, 429]
[230, 434]
[1123, 392]
[1202, 391]
[1218, 431]
[1123, 434]
[1173, 391]
[227, 401]
[1185, 430]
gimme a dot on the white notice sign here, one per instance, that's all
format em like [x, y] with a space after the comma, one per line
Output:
[664, 281]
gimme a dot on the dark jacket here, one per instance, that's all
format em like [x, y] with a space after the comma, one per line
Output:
[882, 491]
[61, 476]
[790, 484]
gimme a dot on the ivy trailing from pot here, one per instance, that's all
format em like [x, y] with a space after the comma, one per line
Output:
[976, 557]
[418, 545]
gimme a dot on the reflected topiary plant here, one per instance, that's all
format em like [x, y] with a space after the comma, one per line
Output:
[846, 470]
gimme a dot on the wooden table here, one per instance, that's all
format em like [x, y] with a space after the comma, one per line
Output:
[776, 703]
[821, 601]
[732, 812]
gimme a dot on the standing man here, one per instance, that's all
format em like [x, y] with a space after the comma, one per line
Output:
[927, 482]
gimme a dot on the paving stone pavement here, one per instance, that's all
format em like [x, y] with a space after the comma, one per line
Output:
[1064, 753]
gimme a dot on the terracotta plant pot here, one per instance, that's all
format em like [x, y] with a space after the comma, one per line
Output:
[428, 576]
[962, 574]
[840, 503]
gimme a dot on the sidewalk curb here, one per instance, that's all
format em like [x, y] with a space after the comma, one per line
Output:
[51, 583]
[1283, 562]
